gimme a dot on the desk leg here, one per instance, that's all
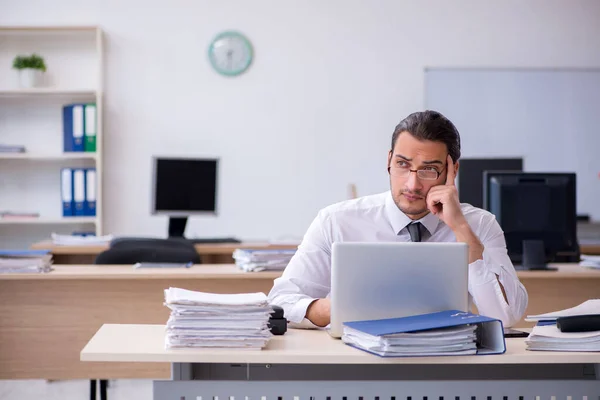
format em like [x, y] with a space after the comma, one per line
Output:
[181, 372]
[92, 389]
[103, 391]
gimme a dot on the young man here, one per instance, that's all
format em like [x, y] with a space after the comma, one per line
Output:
[422, 205]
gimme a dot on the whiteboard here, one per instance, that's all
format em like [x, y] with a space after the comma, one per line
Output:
[550, 117]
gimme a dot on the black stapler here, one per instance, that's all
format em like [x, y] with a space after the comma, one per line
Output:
[579, 323]
[277, 322]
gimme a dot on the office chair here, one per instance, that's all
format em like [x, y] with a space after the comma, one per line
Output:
[134, 250]
[148, 241]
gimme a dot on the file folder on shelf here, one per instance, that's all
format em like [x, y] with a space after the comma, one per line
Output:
[90, 128]
[450, 332]
[90, 192]
[79, 192]
[66, 182]
[73, 127]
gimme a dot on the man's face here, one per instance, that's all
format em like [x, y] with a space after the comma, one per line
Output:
[409, 191]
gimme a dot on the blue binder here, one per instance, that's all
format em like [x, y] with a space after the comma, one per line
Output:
[66, 191]
[73, 127]
[79, 191]
[90, 192]
[490, 331]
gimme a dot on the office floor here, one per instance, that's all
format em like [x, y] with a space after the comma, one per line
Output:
[73, 390]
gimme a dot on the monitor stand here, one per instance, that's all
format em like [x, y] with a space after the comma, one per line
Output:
[177, 227]
[534, 256]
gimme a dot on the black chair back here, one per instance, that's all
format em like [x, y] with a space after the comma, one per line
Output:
[134, 250]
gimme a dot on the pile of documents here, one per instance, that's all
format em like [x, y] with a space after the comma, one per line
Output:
[25, 261]
[447, 341]
[11, 148]
[19, 215]
[443, 333]
[78, 240]
[217, 320]
[262, 260]
[546, 335]
[590, 261]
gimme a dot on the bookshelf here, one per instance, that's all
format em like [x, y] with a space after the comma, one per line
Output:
[30, 181]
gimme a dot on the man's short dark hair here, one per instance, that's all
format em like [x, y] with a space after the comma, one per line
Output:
[430, 125]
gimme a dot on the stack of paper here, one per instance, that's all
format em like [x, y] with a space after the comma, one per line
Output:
[11, 148]
[449, 332]
[25, 261]
[77, 240]
[546, 335]
[447, 341]
[217, 320]
[260, 260]
[590, 261]
[19, 215]
[549, 338]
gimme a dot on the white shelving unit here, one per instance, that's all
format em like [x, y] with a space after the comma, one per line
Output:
[43, 221]
[30, 181]
[41, 156]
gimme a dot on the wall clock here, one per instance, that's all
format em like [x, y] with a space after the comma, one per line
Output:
[230, 53]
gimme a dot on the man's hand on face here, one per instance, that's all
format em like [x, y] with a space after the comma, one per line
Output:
[442, 200]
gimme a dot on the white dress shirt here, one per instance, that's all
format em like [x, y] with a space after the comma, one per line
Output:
[376, 218]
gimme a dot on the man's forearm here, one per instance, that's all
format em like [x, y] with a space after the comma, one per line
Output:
[319, 312]
[466, 235]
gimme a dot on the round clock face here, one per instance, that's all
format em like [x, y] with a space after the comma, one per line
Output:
[230, 53]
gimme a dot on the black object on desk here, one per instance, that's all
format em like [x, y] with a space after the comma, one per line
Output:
[579, 323]
[212, 240]
[514, 333]
[277, 322]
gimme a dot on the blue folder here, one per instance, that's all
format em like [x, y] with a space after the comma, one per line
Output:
[66, 190]
[23, 253]
[73, 127]
[490, 332]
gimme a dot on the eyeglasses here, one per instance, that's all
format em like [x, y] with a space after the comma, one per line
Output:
[426, 174]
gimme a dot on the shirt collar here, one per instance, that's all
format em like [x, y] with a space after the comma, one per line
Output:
[399, 220]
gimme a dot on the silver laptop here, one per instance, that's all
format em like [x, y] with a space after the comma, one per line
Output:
[388, 280]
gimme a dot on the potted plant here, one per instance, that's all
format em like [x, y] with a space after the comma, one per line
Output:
[30, 70]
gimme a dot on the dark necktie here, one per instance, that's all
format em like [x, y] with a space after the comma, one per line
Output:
[414, 228]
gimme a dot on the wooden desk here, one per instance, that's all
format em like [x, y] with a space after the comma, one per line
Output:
[217, 253]
[213, 253]
[590, 248]
[549, 291]
[55, 314]
[45, 319]
[310, 364]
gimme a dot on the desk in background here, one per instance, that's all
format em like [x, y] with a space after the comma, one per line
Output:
[210, 253]
[214, 253]
[55, 314]
[46, 319]
[306, 364]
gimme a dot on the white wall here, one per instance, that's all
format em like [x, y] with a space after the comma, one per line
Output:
[318, 106]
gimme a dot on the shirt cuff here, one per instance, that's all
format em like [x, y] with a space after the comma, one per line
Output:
[480, 273]
[298, 311]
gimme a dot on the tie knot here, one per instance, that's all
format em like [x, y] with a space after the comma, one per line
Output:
[414, 229]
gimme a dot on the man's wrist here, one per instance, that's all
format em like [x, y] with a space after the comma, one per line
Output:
[465, 234]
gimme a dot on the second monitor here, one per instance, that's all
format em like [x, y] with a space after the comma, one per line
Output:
[183, 187]
[470, 176]
[537, 212]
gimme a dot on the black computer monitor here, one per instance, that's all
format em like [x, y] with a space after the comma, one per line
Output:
[470, 176]
[537, 212]
[183, 187]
